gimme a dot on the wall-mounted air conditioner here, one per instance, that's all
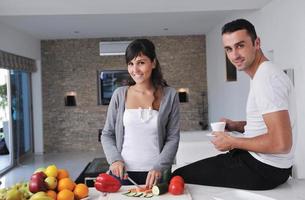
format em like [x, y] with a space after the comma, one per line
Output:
[113, 48]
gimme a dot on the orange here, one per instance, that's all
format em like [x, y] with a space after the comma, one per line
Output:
[65, 195]
[65, 183]
[52, 194]
[62, 173]
[81, 191]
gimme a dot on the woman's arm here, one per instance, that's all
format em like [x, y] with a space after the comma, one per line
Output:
[172, 138]
[108, 138]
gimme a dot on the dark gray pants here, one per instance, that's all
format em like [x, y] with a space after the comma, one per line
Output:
[235, 169]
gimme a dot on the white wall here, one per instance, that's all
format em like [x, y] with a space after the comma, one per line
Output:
[226, 99]
[22, 44]
[37, 109]
[281, 27]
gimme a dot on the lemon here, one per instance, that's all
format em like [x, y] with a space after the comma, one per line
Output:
[51, 170]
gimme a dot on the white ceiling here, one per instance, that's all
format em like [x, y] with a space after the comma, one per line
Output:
[61, 19]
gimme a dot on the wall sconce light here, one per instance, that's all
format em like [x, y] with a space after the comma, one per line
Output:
[70, 99]
[183, 95]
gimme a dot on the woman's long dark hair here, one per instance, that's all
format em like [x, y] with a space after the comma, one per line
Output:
[147, 48]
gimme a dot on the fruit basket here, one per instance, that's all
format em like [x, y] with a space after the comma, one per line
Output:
[49, 183]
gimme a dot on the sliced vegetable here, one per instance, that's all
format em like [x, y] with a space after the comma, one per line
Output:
[149, 195]
[138, 194]
[159, 189]
[125, 193]
[131, 194]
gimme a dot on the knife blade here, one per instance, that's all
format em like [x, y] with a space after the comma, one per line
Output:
[133, 182]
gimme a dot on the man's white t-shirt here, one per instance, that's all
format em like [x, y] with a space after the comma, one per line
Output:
[271, 90]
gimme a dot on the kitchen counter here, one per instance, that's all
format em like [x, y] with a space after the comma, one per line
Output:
[292, 190]
[196, 145]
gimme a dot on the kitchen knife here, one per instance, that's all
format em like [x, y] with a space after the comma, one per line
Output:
[133, 182]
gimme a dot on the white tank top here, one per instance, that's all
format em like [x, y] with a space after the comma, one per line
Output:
[140, 147]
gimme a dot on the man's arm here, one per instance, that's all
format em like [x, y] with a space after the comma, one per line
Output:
[234, 125]
[277, 140]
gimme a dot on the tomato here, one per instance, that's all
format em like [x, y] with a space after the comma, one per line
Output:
[176, 185]
[177, 179]
[107, 183]
[176, 188]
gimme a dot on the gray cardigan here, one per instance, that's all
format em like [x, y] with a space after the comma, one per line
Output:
[168, 128]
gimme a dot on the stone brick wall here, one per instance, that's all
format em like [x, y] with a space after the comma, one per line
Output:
[72, 65]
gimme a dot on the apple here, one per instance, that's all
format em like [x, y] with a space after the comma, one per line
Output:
[38, 176]
[37, 182]
[51, 182]
[38, 186]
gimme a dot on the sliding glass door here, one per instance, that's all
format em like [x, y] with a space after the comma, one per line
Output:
[6, 146]
[15, 116]
[21, 112]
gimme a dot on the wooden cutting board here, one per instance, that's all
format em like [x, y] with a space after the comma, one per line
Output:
[119, 196]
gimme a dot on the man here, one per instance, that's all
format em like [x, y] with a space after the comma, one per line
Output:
[263, 157]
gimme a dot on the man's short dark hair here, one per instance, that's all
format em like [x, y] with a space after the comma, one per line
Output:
[240, 24]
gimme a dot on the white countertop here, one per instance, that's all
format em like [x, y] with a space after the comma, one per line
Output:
[292, 190]
[196, 145]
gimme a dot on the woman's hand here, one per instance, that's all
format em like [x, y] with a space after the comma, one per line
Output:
[153, 177]
[117, 168]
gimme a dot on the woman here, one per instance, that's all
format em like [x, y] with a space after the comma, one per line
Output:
[142, 132]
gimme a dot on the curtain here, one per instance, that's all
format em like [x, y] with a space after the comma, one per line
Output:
[15, 62]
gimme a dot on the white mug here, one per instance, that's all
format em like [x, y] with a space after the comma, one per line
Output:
[218, 126]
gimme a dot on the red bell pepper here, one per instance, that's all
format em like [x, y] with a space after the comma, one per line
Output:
[107, 183]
